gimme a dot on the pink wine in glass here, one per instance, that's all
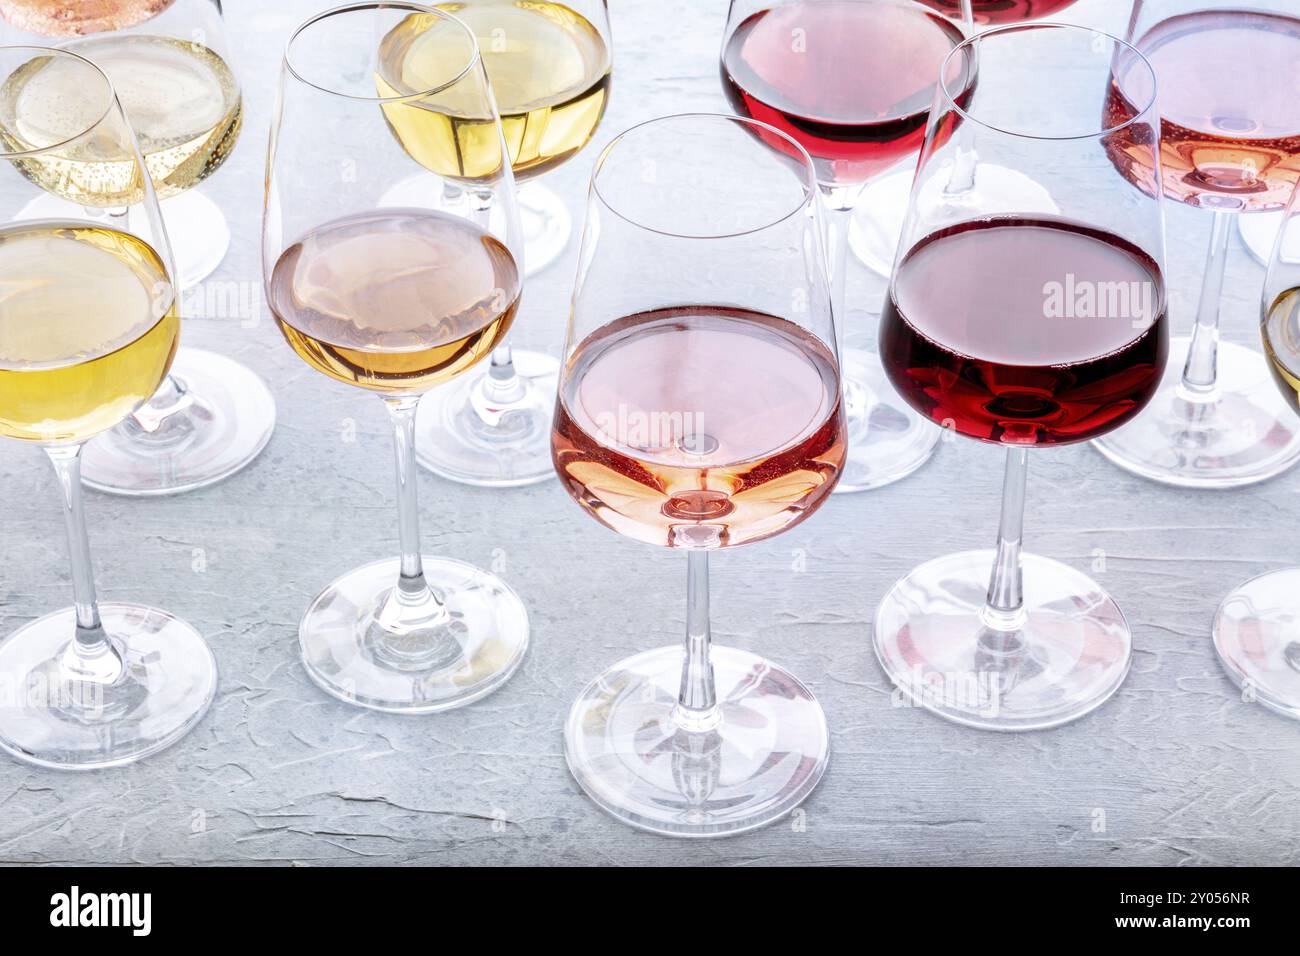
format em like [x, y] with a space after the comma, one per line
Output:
[1025, 331]
[699, 426]
[1229, 108]
[995, 12]
[851, 82]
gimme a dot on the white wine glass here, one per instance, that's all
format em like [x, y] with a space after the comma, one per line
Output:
[700, 409]
[169, 62]
[394, 300]
[1257, 627]
[88, 328]
[550, 65]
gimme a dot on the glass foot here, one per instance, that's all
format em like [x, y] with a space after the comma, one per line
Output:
[544, 220]
[199, 236]
[435, 665]
[169, 681]
[767, 753]
[877, 225]
[1259, 233]
[464, 433]
[1242, 434]
[219, 422]
[196, 227]
[1257, 635]
[931, 639]
[887, 440]
[546, 225]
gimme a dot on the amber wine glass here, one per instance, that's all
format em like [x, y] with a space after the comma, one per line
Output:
[699, 408]
[395, 300]
[170, 65]
[549, 64]
[88, 329]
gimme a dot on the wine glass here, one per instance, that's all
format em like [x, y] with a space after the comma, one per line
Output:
[798, 65]
[396, 301]
[88, 329]
[549, 64]
[878, 215]
[699, 408]
[1025, 330]
[168, 61]
[1257, 627]
[1230, 143]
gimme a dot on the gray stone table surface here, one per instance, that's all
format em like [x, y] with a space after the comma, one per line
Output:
[1175, 769]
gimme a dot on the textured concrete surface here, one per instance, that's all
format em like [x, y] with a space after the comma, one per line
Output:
[1175, 769]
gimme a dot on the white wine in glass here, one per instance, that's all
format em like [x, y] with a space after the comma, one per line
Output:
[88, 330]
[168, 64]
[550, 68]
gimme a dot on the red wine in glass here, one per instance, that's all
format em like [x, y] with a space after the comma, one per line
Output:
[997, 12]
[851, 82]
[699, 425]
[1032, 331]
[1229, 84]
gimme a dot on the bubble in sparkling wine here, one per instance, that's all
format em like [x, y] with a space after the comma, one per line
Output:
[70, 18]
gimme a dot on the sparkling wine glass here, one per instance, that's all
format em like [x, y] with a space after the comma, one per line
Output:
[877, 220]
[1230, 143]
[168, 61]
[1257, 627]
[549, 64]
[799, 65]
[88, 328]
[395, 300]
[1025, 330]
[699, 408]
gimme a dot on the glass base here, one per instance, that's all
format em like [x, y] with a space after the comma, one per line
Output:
[196, 227]
[428, 668]
[1241, 434]
[881, 209]
[224, 422]
[887, 440]
[932, 641]
[766, 754]
[546, 224]
[199, 236]
[170, 679]
[1257, 635]
[1259, 234]
[544, 221]
[463, 435]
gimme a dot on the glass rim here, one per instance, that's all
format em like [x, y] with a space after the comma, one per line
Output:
[810, 185]
[474, 60]
[99, 120]
[971, 44]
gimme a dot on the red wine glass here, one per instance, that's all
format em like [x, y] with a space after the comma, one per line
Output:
[1257, 627]
[878, 217]
[1230, 143]
[803, 67]
[1024, 330]
[699, 408]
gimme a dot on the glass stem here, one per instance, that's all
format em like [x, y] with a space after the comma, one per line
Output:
[1004, 607]
[502, 384]
[91, 656]
[697, 708]
[402, 413]
[1200, 373]
[839, 201]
